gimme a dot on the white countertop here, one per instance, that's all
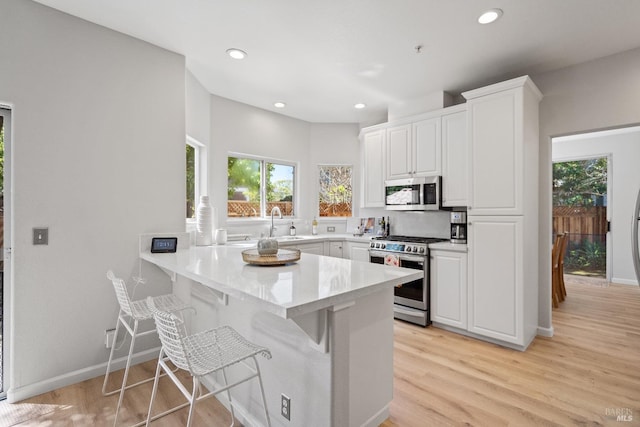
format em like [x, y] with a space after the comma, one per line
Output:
[312, 283]
[448, 246]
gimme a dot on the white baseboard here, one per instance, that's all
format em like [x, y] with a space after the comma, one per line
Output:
[624, 281]
[378, 418]
[20, 393]
[545, 332]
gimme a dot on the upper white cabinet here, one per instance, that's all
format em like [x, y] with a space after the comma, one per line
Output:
[455, 167]
[399, 156]
[373, 168]
[503, 153]
[427, 157]
[413, 149]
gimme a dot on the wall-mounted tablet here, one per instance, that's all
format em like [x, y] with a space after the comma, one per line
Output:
[164, 245]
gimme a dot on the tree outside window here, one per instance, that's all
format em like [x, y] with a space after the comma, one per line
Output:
[335, 191]
[256, 186]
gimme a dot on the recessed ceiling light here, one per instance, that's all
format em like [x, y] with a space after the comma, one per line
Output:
[236, 53]
[490, 16]
[359, 106]
[279, 104]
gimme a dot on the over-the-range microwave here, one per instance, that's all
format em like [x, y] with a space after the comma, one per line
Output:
[413, 194]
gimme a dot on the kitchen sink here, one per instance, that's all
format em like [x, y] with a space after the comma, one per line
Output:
[286, 238]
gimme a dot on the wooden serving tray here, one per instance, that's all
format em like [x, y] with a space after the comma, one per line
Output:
[284, 256]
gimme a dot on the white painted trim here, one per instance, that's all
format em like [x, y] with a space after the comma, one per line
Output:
[378, 418]
[624, 281]
[545, 332]
[17, 394]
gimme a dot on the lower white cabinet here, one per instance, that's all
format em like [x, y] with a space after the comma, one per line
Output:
[496, 278]
[449, 288]
[357, 251]
[334, 248]
[311, 248]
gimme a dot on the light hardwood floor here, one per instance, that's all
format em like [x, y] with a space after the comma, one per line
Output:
[585, 375]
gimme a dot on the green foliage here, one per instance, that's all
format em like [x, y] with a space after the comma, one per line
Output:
[580, 183]
[1, 160]
[191, 181]
[588, 255]
[243, 174]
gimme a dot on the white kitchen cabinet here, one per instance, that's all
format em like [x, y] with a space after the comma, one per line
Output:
[449, 288]
[399, 156]
[503, 211]
[454, 159]
[335, 248]
[357, 251]
[426, 147]
[316, 248]
[496, 277]
[413, 149]
[503, 147]
[373, 168]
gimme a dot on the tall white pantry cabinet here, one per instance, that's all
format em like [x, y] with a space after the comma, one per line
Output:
[503, 211]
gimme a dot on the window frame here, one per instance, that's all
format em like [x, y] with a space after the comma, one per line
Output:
[200, 173]
[317, 181]
[263, 188]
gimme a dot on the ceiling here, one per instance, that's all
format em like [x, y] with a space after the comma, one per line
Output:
[321, 57]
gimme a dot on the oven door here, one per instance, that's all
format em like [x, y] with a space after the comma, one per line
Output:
[411, 294]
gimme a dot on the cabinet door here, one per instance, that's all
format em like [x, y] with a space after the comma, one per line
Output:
[449, 288]
[358, 251]
[495, 248]
[399, 152]
[373, 169]
[335, 249]
[496, 163]
[312, 248]
[426, 154]
[454, 159]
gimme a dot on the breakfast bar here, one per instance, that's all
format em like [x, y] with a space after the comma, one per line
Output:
[327, 321]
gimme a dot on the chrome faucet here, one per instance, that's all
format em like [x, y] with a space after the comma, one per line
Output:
[273, 228]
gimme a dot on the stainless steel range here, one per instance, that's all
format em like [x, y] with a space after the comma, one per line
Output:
[412, 300]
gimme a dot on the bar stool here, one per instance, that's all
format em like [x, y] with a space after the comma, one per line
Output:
[136, 311]
[201, 354]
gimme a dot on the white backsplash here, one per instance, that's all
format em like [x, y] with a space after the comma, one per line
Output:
[413, 223]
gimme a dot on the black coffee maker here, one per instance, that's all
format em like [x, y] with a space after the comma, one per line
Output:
[458, 227]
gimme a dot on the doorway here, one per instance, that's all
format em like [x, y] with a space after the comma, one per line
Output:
[581, 210]
[5, 144]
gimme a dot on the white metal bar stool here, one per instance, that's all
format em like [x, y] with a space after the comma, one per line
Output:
[136, 311]
[201, 354]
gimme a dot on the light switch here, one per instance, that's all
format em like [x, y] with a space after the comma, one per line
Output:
[40, 236]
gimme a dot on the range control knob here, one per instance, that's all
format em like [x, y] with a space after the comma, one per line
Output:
[415, 249]
[408, 249]
[372, 245]
[384, 246]
[421, 250]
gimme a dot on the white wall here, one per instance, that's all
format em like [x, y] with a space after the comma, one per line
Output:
[241, 128]
[595, 95]
[624, 147]
[98, 157]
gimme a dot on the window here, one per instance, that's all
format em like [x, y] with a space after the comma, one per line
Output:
[257, 185]
[335, 191]
[195, 175]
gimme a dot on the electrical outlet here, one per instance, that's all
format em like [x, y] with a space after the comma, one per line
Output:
[285, 406]
[109, 337]
[331, 229]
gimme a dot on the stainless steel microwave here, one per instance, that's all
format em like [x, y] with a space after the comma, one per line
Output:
[413, 194]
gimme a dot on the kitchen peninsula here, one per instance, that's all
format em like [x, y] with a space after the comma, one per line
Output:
[327, 321]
